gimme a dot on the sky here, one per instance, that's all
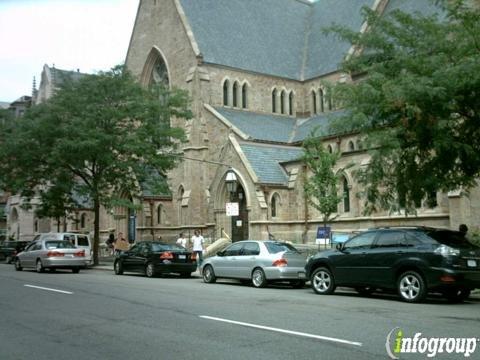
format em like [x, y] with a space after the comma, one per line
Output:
[90, 35]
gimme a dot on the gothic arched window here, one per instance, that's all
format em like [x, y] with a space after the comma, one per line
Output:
[290, 103]
[346, 195]
[275, 202]
[321, 95]
[235, 94]
[283, 96]
[244, 96]
[314, 102]
[160, 73]
[159, 214]
[225, 92]
[274, 100]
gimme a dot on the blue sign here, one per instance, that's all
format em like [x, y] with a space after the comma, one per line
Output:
[323, 232]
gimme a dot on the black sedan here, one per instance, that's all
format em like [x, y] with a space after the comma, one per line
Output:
[9, 249]
[153, 257]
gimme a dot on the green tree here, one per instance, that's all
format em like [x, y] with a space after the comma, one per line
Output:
[321, 183]
[416, 101]
[96, 138]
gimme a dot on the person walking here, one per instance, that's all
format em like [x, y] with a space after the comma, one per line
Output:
[111, 243]
[197, 243]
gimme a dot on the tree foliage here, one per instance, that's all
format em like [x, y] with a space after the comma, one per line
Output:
[97, 138]
[321, 186]
[416, 101]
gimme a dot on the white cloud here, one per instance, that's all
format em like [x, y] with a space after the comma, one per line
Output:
[90, 35]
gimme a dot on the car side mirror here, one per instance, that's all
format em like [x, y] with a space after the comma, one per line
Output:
[221, 253]
[340, 246]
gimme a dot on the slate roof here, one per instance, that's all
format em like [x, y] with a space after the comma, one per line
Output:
[266, 160]
[276, 37]
[59, 76]
[412, 6]
[263, 127]
[278, 129]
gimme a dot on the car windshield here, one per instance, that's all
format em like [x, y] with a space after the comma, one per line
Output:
[59, 245]
[276, 247]
[166, 247]
[450, 238]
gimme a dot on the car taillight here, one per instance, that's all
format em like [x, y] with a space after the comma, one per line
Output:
[166, 255]
[193, 256]
[55, 254]
[280, 262]
[80, 253]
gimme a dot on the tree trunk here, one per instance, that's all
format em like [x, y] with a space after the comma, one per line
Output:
[96, 230]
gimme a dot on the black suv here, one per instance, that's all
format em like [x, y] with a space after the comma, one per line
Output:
[412, 261]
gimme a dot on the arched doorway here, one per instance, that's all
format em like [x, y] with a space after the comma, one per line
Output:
[240, 222]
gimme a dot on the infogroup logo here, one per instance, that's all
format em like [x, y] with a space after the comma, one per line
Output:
[397, 343]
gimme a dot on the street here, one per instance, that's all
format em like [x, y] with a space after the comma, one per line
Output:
[97, 315]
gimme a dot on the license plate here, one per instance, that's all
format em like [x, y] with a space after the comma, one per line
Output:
[182, 257]
[471, 263]
[69, 255]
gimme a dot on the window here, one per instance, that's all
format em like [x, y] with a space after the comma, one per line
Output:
[276, 247]
[361, 241]
[234, 249]
[431, 201]
[391, 239]
[159, 214]
[82, 240]
[274, 205]
[225, 92]
[314, 102]
[321, 96]
[290, 103]
[251, 248]
[274, 100]
[283, 96]
[160, 73]
[351, 146]
[244, 96]
[83, 220]
[346, 195]
[235, 94]
[330, 149]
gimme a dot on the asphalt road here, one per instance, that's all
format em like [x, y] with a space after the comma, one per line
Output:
[98, 315]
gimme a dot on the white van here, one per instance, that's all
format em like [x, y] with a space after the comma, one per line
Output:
[81, 241]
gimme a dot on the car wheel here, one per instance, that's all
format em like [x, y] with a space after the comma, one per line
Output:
[322, 281]
[365, 290]
[258, 278]
[18, 265]
[149, 270]
[209, 275]
[411, 287]
[297, 284]
[39, 266]
[75, 270]
[118, 267]
[457, 295]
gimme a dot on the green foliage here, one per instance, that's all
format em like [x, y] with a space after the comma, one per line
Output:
[97, 138]
[321, 186]
[416, 102]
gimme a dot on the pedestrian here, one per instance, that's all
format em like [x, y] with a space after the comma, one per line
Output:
[182, 241]
[463, 229]
[111, 243]
[121, 244]
[197, 246]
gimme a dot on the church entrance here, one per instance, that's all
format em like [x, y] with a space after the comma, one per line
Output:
[240, 222]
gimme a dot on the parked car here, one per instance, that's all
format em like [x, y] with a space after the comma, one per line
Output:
[81, 241]
[260, 262]
[52, 255]
[412, 261]
[9, 249]
[154, 257]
